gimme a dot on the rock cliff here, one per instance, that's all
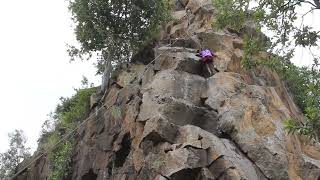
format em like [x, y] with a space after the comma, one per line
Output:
[164, 120]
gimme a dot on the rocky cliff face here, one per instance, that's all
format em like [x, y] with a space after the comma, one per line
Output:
[172, 123]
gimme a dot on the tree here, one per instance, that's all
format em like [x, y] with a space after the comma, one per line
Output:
[120, 27]
[16, 153]
[280, 19]
[287, 30]
[290, 31]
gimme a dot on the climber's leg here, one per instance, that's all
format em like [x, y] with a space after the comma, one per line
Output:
[211, 70]
[203, 68]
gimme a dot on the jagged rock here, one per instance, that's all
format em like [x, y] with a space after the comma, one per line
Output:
[222, 154]
[94, 100]
[183, 159]
[218, 41]
[175, 124]
[180, 59]
[148, 75]
[179, 14]
[252, 116]
[197, 17]
[170, 84]
[191, 42]
[196, 5]
[130, 74]
[159, 129]
[237, 43]
[180, 113]
[38, 171]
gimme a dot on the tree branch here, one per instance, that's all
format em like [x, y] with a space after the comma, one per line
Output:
[317, 3]
[308, 2]
[308, 12]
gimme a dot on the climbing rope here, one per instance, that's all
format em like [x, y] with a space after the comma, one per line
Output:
[97, 110]
[186, 34]
[165, 52]
[63, 139]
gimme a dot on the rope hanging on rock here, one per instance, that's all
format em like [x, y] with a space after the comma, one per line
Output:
[92, 115]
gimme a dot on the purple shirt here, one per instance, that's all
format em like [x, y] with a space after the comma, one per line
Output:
[206, 53]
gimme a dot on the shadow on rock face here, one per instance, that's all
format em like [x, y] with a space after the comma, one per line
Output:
[186, 174]
[123, 153]
[89, 176]
[145, 55]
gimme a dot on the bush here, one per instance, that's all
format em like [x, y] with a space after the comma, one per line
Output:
[72, 110]
[60, 160]
[231, 13]
[68, 114]
[304, 85]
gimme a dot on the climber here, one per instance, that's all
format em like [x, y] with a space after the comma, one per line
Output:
[207, 62]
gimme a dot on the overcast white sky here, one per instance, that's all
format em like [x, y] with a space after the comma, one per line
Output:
[34, 66]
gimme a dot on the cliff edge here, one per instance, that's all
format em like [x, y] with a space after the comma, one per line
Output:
[164, 120]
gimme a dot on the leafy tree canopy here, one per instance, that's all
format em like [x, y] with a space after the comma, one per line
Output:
[119, 27]
[282, 19]
[16, 153]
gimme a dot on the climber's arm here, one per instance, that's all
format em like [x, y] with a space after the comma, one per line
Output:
[213, 54]
[198, 53]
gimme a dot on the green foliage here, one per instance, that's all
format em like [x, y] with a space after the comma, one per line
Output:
[307, 37]
[16, 153]
[69, 112]
[251, 47]
[72, 110]
[304, 85]
[60, 160]
[231, 13]
[235, 14]
[280, 19]
[119, 27]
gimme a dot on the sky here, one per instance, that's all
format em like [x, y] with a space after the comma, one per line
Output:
[302, 55]
[34, 65]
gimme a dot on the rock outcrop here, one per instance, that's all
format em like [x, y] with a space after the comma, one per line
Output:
[166, 121]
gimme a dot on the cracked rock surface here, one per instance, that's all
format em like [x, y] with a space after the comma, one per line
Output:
[174, 124]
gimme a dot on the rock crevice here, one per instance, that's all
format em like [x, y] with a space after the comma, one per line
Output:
[175, 124]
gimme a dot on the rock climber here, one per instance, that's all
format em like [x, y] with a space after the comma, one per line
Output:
[207, 57]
